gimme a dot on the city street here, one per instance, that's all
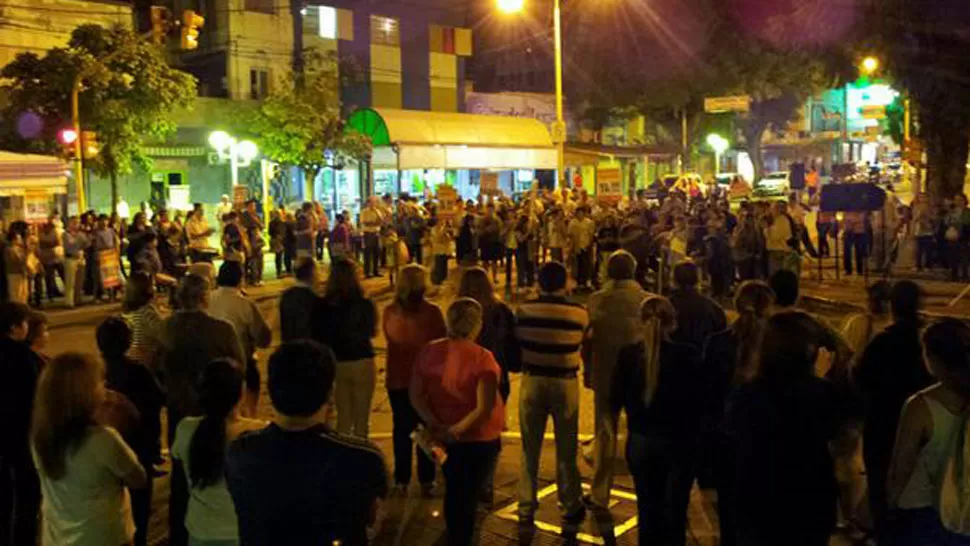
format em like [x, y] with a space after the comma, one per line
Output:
[416, 520]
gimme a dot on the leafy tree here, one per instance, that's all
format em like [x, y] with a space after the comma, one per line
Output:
[129, 91]
[923, 47]
[300, 124]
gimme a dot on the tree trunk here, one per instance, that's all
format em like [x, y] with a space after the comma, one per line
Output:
[753, 133]
[114, 192]
[947, 143]
[309, 177]
[296, 12]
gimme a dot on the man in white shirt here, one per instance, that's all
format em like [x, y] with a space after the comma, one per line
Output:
[228, 303]
[778, 237]
[223, 208]
[370, 225]
[198, 231]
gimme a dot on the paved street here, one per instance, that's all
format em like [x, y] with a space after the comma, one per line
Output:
[415, 520]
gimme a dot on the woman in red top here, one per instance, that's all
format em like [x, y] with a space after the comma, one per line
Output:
[454, 389]
[410, 323]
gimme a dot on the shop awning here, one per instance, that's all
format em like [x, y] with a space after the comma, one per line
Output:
[20, 172]
[413, 139]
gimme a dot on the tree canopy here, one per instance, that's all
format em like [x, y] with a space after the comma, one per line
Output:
[128, 92]
[299, 124]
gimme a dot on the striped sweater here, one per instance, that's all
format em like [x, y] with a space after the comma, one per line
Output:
[550, 331]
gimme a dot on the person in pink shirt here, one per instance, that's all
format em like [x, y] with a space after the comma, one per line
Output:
[410, 323]
[454, 389]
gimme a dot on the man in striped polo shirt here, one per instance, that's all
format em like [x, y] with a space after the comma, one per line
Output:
[550, 330]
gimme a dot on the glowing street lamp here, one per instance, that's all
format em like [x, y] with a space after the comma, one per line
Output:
[870, 65]
[559, 128]
[238, 153]
[720, 145]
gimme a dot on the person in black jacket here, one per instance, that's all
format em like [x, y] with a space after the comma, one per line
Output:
[730, 356]
[19, 485]
[298, 302]
[657, 383]
[140, 387]
[890, 370]
[346, 321]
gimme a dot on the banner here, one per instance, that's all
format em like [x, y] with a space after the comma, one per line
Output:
[489, 182]
[448, 202]
[609, 187]
[110, 266]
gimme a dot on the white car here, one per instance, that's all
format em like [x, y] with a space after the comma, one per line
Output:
[774, 183]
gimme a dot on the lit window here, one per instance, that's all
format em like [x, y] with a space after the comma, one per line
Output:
[384, 31]
[328, 22]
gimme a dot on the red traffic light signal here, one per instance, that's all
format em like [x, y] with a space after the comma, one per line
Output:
[67, 137]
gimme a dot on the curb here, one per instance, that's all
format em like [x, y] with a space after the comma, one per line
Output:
[819, 303]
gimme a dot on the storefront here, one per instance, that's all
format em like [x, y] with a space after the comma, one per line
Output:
[416, 151]
[638, 165]
[32, 187]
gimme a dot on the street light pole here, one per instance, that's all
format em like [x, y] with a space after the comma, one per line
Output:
[78, 158]
[560, 119]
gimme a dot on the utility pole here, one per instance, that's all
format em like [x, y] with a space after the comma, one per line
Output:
[299, 63]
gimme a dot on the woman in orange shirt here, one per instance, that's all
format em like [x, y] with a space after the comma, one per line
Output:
[454, 389]
[410, 323]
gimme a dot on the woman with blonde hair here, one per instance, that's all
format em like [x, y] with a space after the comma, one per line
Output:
[84, 466]
[410, 323]
[454, 390]
[656, 383]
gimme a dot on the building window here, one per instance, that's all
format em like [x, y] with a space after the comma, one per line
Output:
[384, 31]
[262, 6]
[258, 83]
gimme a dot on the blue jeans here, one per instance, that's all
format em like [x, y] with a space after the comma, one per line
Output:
[921, 527]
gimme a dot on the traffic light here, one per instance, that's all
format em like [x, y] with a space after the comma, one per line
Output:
[67, 139]
[161, 23]
[191, 23]
[89, 144]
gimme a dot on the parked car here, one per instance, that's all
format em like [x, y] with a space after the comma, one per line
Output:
[776, 183]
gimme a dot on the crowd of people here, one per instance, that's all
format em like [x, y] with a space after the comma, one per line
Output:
[773, 409]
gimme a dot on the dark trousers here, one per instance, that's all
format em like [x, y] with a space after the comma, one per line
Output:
[417, 254]
[19, 503]
[321, 239]
[405, 420]
[924, 251]
[509, 255]
[749, 268]
[823, 239]
[959, 252]
[50, 271]
[854, 243]
[141, 507]
[254, 267]
[440, 271]
[178, 500]
[372, 250]
[283, 260]
[663, 475]
[583, 264]
[877, 442]
[555, 255]
[466, 471]
[524, 266]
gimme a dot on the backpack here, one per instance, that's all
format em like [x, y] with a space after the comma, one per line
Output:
[955, 488]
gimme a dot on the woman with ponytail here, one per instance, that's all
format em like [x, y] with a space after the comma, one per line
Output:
[656, 382]
[729, 360]
[201, 443]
